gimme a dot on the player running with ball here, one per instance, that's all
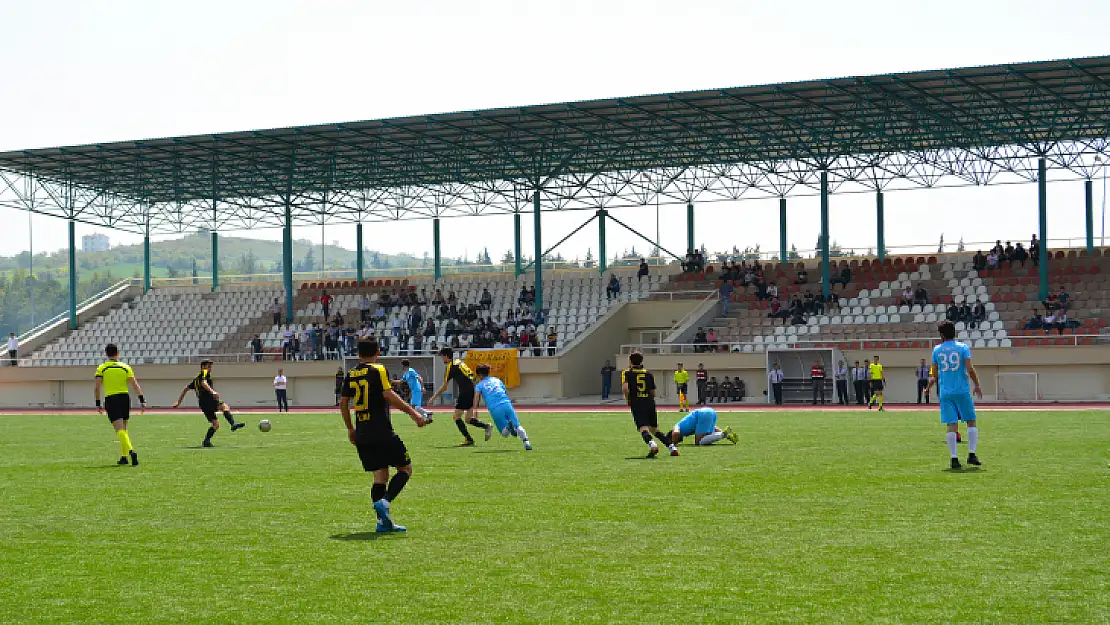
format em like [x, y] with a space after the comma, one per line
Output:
[951, 369]
[492, 390]
[702, 425]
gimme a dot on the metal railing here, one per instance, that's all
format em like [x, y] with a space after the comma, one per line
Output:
[850, 253]
[82, 306]
[1065, 340]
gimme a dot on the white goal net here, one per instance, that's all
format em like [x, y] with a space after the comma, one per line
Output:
[1017, 387]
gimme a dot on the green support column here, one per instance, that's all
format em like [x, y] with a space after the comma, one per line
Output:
[287, 261]
[72, 275]
[1089, 192]
[358, 253]
[879, 221]
[1042, 202]
[539, 248]
[146, 262]
[825, 232]
[436, 268]
[516, 248]
[215, 262]
[690, 227]
[601, 266]
[784, 254]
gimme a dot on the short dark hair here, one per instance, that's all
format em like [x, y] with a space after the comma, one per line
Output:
[447, 351]
[947, 330]
[636, 359]
[405, 363]
[206, 363]
[111, 350]
[368, 347]
[482, 370]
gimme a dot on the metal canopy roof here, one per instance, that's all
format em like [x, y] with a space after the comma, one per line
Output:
[910, 129]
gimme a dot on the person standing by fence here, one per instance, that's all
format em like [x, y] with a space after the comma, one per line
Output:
[775, 377]
[606, 379]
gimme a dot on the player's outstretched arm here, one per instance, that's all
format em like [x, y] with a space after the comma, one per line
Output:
[181, 396]
[98, 383]
[974, 375]
[134, 382]
[395, 400]
[345, 412]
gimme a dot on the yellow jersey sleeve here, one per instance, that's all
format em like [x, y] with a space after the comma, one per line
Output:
[384, 377]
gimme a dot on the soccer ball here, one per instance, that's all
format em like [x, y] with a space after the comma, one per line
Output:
[264, 425]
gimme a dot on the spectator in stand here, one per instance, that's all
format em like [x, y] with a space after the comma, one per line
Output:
[417, 344]
[907, 296]
[395, 324]
[802, 277]
[256, 348]
[309, 342]
[979, 261]
[834, 301]
[430, 328]
[416, 320]
[1055, 320]
[325, 301]
[777, 311]
[1008, 252]
[1036, 322]
[606, 379]
[700, 340]
[771, 291]
[1035, 251]
[350, 339]
[953, 312]
[992, 260]
[613, 289]
[844, 278]
[552, 339]
[809, 304]
[1020, 254]
[775, 377]
[287, 343]
[998, 250]
[711, 339]
[275, 311]
[383, 341]
[642, 272]
[380, 311]
[689, 265]
[363, 308]
[798, 317]
[726, 295]
[1051, 303]
[978, 314]
[1062, 299]
[487, 299]
[920, 297]
[965, 312]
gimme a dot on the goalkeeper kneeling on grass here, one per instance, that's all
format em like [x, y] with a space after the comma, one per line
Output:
[702, 424]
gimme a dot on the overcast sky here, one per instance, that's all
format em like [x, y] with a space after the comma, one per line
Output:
[88, 71]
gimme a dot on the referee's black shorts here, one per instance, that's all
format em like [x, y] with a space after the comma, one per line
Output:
[682, 388]
[876, 385]
[118, 406]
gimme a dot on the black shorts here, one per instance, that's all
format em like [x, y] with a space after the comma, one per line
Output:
[876, 385]
[682, 388]
[645, 415]
[380, 454]
[118, 406]
[465, 400]
[210, 409]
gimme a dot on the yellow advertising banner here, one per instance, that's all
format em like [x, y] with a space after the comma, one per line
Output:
[502, 363]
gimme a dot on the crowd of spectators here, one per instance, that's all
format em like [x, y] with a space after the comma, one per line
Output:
[1008, 253]
[410, 323]
[801, 308]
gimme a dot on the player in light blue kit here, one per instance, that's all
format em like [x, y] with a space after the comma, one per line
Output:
[416, 388]
[492, 391]
[702, 425]
[950, 372]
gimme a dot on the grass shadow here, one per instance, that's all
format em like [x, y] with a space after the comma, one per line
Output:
[638, 458]
[965, 470]
[452, 446]
[108, 466]
[496, 451]
[362, 535]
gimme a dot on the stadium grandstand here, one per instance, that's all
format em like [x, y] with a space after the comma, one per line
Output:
[1031, 122]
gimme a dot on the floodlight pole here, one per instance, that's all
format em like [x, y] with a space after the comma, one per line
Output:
[519, 266]
[146, 259]
[287, 259]
[1089, 205]
[1042, 202]
[784, 254]
[601, 262]
[880, 226]
[825, 232]
[538, 248]
[437, 271]
[358, 251]
[72, 275]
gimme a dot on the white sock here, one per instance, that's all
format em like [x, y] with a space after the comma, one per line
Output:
[951, 436]
[709, 439]
[522, 434]
[972, 439]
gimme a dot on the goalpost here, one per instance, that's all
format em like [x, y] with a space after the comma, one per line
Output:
[1017, 386]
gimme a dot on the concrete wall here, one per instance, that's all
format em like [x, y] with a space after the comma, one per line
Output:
[1064, 373]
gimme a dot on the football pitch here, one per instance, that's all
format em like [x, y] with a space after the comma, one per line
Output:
[813, 517]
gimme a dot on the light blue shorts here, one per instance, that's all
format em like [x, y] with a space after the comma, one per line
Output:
[504, 416]
[956, 408]
[707, 422]
[417, 400]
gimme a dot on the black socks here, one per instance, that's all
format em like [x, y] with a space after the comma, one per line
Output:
[478, 424]
[647, 437]
[377, 491]
[230, 419]
[664, 436]
[211, 433]
[396, 485]
[462, 428]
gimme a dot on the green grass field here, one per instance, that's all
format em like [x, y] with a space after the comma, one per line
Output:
[814, 517]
